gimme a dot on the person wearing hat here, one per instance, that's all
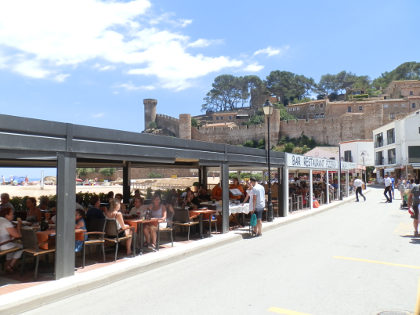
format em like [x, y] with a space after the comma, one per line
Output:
[258, 200]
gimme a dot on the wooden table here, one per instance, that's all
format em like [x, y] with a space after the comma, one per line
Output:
[202, 212]
[138, 226]
[43, 237]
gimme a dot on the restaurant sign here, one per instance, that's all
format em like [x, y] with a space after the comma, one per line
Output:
[301, 161]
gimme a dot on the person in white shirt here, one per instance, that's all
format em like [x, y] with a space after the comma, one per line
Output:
[258, 204]
[388, 188]
[138, 209]
[358, 183]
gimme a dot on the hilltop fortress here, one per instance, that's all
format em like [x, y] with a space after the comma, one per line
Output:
[324, 121]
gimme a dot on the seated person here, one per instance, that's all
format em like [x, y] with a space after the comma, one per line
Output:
[190, 200]
[33, 213]
[5, 202]
[158, 211]
[138, 210]
[123, 208]
[203, 194]
[80, 224]
[236, 185]
[94, 212]
[114, 213]
[9, 232]
[216, 192]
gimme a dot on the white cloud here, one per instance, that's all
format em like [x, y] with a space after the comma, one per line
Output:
[254, 67]
[31, 68]
[201, 43]
[103, 68]
[98, 115]
[270, 51]
[132, 87]
[51, 35]
[61, 77]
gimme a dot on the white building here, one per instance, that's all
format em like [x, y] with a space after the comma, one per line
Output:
[397, 147]
[360, 152]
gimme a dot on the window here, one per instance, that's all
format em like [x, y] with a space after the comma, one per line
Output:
[217, 117]
[360, 108]
[312, 106]
[385, 105]
[349, 109]
[379, 159]
[414, 154]
[391, 156]
[379, 140]
[221, 117]
[322, 115]
[411, 93]
[347, 156]
[390, 136]
[230, 117]
[321, 105]
[413, 105]
[403, 105]
[391, 116]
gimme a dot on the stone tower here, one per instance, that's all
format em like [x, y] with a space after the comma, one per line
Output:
[149, 111]
[185, 126]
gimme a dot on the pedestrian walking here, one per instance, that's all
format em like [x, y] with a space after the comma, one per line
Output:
[388, 187]
[413, 203]
[259, 204]
[393, 186]
[358, 183]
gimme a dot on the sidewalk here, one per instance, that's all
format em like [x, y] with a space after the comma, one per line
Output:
[47, 292]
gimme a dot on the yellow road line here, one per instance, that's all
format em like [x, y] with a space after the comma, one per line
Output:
[377, 262]
[284, 311]
[417, 309]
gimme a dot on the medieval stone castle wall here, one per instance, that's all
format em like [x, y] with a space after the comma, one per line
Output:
[325, 122]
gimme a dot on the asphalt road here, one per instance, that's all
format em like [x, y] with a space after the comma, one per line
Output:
[358, 258]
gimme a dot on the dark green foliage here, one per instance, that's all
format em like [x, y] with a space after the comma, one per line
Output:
[194, 122]
[405, 71]
[259, 144]
[155, 175]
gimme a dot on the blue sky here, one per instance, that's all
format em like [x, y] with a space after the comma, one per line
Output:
[93, 62]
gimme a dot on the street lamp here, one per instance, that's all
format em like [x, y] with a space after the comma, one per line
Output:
[364, 166]
[268, 111]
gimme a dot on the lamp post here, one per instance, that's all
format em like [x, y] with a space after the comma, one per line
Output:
[364, 166]
[268, 111]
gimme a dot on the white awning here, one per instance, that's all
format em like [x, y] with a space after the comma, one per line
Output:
[416, 166]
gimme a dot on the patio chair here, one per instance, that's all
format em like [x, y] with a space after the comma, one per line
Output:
[4, 252]
[169, 228]
[182, 218]
[31, 247]
[208, 218]
[111, 235]
[95, 236]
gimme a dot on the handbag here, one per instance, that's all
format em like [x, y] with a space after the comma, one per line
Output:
[253, 221]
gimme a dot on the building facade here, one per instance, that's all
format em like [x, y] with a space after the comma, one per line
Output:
[397, 147]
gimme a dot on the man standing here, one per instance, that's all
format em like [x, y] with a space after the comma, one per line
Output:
[259, 204]
[388, 187]
[358, 183]
[413, 202]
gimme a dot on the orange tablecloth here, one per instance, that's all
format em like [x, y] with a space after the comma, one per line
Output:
[205, 212]
[43, 237]
[134, 222]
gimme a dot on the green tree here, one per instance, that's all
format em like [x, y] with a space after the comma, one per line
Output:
[194, 122]
[288, 86]
[405, 71]
[107, 172]
[226, 94]
[288, 147]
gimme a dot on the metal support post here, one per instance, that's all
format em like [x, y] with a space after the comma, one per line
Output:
[311, 190]
[225, 197]
[347, 184]
[327, 182]
[126, 182]
[279, 193]
[285, 192]
[66, 205]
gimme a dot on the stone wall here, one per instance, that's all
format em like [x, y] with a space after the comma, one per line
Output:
[168, 123]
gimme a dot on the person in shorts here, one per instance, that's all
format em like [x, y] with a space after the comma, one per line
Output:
[259, 204]
[413, 202]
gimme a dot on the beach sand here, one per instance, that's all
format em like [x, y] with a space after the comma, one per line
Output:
[142, 184]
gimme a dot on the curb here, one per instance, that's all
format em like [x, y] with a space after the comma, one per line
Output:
[50, 292]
